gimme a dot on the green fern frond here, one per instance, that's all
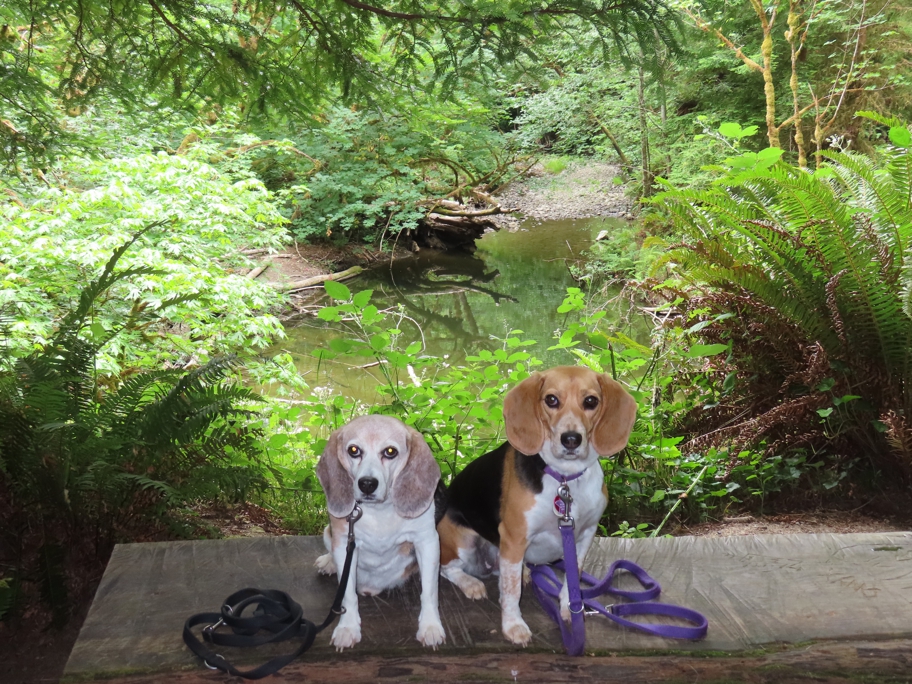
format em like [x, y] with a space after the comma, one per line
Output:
[819, 257]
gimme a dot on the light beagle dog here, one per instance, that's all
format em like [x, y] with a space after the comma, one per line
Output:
[389, 469]
[502, 505]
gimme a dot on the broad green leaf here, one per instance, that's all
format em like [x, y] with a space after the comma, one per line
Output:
[773, 153]
[337, 291]
[730, 130]
[339, 345]
[598, 340]
[846, 399]
[277, 441]
[826, 385]
[900, 136]
[328, 313]
[370, 315]
[362, 298]
[379, 342]
[701, 350]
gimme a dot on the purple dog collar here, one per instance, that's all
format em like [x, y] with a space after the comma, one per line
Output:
[560, 477]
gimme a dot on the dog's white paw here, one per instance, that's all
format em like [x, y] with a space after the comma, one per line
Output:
[527, 575]
[431, 634]
[517, 632]
[565, 603]
[325, 564]
[346, 636]
[473, 587]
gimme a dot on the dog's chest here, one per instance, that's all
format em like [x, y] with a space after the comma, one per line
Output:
[544, 538]
[386, 548]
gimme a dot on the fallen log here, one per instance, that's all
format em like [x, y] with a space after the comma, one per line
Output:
[258, 270]
[316, 280]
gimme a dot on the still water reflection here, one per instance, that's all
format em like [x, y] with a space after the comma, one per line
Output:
[516, 280]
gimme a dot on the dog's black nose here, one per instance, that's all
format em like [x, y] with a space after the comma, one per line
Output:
[368, 484]
[571, 440]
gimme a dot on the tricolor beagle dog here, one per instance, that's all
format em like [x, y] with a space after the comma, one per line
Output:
[389, 469]
[502, 505]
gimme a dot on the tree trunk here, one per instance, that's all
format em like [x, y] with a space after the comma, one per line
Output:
[644, 135]
[794, 24]
[769, 89]
[626, 166]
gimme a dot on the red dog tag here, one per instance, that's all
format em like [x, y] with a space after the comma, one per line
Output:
[560, 508]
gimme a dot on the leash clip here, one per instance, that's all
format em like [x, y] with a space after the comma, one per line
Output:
[354, 517]
[209, 629]
[563, 493]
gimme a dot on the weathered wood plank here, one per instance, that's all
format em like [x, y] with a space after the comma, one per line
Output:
[755, 591]
[883, 662]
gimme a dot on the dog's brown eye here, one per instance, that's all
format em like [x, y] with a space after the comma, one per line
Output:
[590, 402]
[390, 452]
[552, 401]
[354, 452]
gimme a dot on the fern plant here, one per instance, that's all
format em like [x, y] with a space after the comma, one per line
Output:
[816, 269]
[92, 458]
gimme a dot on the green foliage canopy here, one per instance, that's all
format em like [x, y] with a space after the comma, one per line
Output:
[272, 55]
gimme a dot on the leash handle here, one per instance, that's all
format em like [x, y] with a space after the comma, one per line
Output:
[245, 629]
[547, 585]
[617, 611]
[274, 611]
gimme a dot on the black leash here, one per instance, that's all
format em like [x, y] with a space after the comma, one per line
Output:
[273, 611]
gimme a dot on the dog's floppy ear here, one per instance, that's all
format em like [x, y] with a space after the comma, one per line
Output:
[523, 417]
[337, 482]
[413, 490]
[616, 417]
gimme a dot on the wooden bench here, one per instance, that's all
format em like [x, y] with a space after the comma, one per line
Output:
[822, 603]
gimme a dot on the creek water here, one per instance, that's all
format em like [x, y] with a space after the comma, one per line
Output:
[514, 281]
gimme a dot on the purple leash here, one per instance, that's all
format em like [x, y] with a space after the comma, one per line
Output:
[546, 585]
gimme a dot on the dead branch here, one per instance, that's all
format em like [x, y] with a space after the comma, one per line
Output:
[255, 273]
[316, 280]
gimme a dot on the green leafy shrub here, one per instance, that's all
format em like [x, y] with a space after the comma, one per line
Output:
[87, 459]
[194, 305]
[367, 174]
[806, 277]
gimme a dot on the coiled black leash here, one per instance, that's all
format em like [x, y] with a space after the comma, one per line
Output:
[274, 612]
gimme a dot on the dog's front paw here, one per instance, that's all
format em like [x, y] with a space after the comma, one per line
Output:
[325, 564]
[346, 636]
[431, 634]
[518, 632]
[473, 588]
[565, 604]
